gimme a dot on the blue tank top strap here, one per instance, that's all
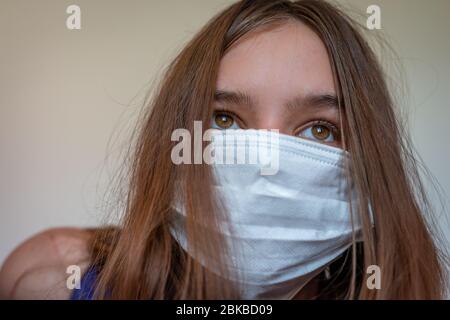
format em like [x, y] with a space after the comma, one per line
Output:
[87, 285]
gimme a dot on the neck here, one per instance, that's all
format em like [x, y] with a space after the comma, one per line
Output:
[309, 291]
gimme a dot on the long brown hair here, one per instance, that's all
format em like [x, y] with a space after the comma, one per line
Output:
[141, 260]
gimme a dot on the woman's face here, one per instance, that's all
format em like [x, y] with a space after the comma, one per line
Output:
[278, 78]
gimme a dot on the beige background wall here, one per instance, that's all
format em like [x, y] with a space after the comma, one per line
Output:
[64, 94]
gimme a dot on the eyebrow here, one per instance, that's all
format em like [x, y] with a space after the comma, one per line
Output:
[233, 97]
[327, 100]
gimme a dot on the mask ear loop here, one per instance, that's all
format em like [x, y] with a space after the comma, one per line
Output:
[327, 273]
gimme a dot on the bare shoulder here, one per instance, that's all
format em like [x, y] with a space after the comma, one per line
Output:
[36, 269]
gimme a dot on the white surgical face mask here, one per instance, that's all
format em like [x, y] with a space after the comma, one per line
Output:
[286, 227]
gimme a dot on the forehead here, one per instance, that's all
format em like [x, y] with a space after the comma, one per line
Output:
[278, 62]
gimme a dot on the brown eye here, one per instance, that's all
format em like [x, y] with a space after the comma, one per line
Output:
[320, 132]
[223, 121]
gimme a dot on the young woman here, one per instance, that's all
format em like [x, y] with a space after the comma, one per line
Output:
[347, 198]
